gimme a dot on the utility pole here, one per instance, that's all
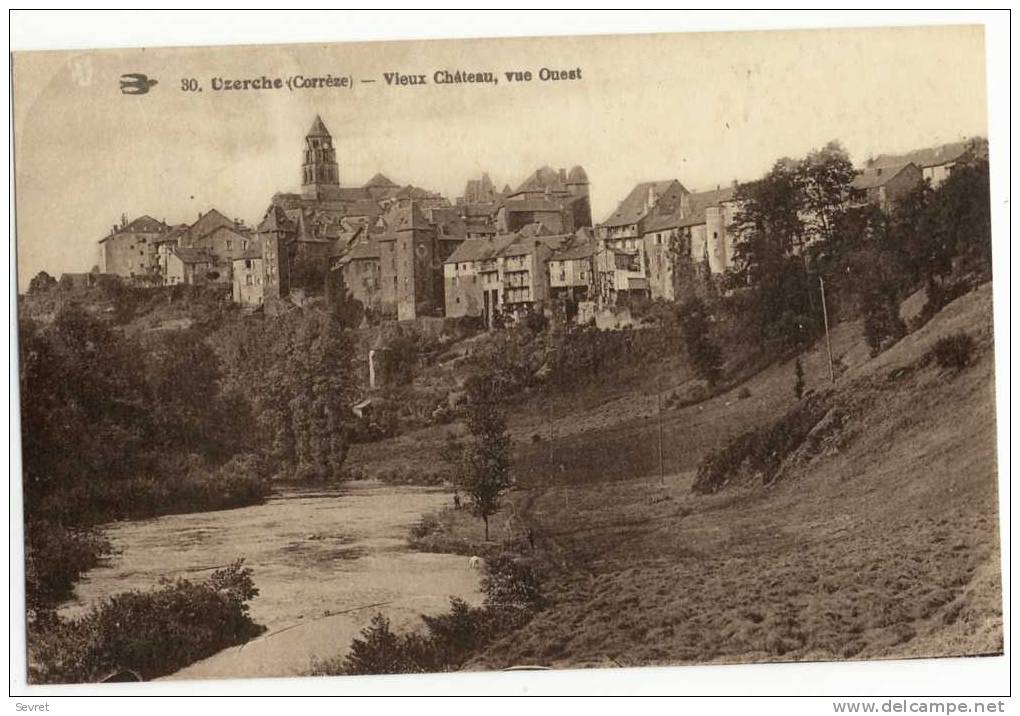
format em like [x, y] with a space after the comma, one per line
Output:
[828, 339]
[662, 466]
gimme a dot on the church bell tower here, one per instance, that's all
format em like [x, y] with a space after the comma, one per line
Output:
[320, 174]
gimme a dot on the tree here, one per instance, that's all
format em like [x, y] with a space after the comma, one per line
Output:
[347, 309]
[768, 226]
[298, 372]
[704, 354]
[825, 177]
[486, 458]
[41, 283]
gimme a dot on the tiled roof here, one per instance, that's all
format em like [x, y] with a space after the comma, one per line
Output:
[634, 208]
[516, 205]
[194, 256]
[543, 178]
[207, 223]
[876, 176]
[362, 251]
[142, 225]
[927, 157]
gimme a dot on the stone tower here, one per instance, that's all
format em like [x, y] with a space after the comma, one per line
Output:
[320, 173]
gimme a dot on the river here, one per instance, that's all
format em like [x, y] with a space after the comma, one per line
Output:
[324, 561]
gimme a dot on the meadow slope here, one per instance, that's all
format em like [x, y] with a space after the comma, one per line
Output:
[878, 540]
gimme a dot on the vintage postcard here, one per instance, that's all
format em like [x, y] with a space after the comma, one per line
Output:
[536, 353]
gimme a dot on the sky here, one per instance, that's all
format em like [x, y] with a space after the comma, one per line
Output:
[704, 108]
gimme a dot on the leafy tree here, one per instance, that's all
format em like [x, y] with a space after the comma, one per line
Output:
[41, 283]
[825, 177]
[378, 651]
[704, 354]
[297, 371]
[768, 226]
[486, 467]
[348, 310]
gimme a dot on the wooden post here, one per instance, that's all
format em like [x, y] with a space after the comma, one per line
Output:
[662, 466]
[828, 339]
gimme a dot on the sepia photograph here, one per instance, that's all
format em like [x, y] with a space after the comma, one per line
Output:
[505, 354]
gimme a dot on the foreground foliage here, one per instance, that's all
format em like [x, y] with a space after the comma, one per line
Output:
[512, 596]
[150, 633]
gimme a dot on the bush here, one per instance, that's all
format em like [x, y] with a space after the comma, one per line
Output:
[953, 352]
[759, 452]
[152, 633]
[511, 597]
[55, 557]
[704, 354]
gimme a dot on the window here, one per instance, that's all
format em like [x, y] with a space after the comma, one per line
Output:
[228, 244]
[248, 280]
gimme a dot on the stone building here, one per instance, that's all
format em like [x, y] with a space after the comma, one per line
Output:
[247, 275]
[130, 250]
[885, 186]
[936, 163]
[306, 235]
[555, 198]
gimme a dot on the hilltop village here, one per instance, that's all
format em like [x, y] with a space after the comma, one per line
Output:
[498, 255]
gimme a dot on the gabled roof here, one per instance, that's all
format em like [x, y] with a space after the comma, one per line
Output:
[525, 240]
[144, 224]
[232, 230]
[195, 256]
[366, 250]
[207, 223]
[472, 250]
[318, 129]
[927, 157]
[877, 176]
[406, 216]
[380, 180]
[542, 179]
[252, 252]
[276, 219]
[581, 246]
[635, 206]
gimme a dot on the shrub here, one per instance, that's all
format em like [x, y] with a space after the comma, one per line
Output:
[152, 633]
[704, 354]
[953, 352]
[55, 557]
[511, 596]
[760, 451]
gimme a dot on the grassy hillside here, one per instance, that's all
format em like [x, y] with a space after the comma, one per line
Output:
[880, 542]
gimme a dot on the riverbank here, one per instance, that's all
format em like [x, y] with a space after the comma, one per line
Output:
[324, 561]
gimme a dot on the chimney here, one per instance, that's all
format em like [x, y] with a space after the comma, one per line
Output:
[563, 175]
[735, 184]
[123, 220]
[651, 197]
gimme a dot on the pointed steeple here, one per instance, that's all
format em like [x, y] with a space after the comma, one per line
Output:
[320, 173]
[318, 129]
